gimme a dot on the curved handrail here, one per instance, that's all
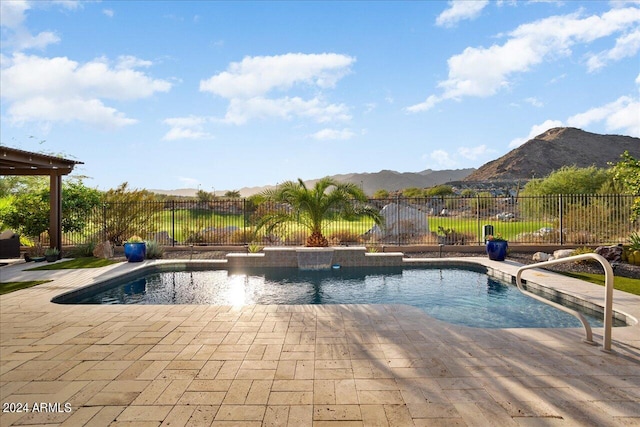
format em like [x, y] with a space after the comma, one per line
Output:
[608, 298]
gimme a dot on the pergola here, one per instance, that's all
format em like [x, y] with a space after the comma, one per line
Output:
[19, 162]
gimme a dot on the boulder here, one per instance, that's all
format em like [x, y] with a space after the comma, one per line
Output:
[610, 253]
[541, 256]
[563, 253]
[402, 221]
[103, 250]
[163, 238]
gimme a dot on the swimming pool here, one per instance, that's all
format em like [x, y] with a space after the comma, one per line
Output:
[456, 295]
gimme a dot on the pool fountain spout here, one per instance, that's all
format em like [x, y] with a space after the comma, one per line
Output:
[310, 259]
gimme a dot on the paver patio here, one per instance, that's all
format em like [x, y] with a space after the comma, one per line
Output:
[346, 365]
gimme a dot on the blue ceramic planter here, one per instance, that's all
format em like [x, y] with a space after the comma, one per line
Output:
[497, 250]
[135, 252]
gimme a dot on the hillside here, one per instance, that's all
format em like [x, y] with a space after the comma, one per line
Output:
[553, 149]
[386, 179]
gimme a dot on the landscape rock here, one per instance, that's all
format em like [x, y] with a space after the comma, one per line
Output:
[402, 221]
[103, 250]
[563, 253]
[610, 253]
[163, 238]
[541, 256]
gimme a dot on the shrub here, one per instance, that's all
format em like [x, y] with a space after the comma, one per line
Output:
[84, 250]
[154, 250]
[584, 250]
[254, 248]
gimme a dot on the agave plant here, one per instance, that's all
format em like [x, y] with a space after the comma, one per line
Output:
[313, 208]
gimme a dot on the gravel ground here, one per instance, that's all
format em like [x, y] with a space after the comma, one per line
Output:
[620, 269]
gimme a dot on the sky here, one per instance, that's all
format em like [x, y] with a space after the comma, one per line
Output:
[224, 95]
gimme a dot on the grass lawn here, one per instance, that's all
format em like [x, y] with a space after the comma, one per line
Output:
[86, 262]
[6, 287]
[620, 283]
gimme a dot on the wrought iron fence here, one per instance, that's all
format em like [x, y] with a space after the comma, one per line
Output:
[557, 219]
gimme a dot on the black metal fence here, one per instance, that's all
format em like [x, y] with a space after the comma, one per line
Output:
[557, 219]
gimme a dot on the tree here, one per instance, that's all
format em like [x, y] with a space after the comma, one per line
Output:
[439, 190]
[232, 194]
[327, 201]
[413, 192]
[381, 194]
[128, 212]
[626, 173]
[29, 212]
[568, 180]
[204, 196]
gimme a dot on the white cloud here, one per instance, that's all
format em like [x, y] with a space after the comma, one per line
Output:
[12, 13]
[248, 84]
[68, 4]
[626, 46]
[186, 128]
[130, 62]
[33, 85]
[482, 72]
[473, 153]
[460, 10]
[442, 159]
[189, 182]
[242, 110]
[535, 131]
[622, 114]
[428, 104]
[258, 75]
[534, 101]
[369, 107]
[333, 134]
[108, 12]
[18, 36]
[90, 111]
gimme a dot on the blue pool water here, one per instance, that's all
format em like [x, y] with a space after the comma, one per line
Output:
[453, 295]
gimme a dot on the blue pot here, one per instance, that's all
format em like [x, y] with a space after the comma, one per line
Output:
[135, 252]
[497, 250]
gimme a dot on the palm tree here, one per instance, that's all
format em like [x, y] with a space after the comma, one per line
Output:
[327, 201]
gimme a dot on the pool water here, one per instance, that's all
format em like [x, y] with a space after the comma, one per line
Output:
[458, 296]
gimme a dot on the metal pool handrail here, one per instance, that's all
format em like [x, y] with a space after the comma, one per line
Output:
[608, 295]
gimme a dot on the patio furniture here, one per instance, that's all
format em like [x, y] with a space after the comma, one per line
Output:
[9, 244]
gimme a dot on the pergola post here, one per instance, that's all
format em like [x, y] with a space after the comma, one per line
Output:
[55, 217]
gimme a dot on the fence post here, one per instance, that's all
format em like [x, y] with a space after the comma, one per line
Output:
[480, 238]
[397, 219]
[244, 220]
[104, 222]
[561, 218]
[173, 223]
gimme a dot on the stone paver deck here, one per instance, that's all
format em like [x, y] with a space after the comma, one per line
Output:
[343, 365]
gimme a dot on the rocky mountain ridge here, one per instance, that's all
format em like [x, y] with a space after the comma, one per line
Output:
[536, 158]
[554, 149]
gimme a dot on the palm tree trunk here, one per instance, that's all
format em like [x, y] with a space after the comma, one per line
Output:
[317, 240]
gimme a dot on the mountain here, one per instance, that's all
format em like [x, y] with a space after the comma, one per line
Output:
[370, 182]
[554, 149]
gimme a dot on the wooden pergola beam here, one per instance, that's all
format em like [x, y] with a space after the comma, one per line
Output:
[14, 162]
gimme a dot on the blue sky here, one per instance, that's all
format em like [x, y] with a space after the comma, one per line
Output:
[224, 95]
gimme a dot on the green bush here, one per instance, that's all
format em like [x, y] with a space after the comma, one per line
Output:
[82, 251]
[581, 251]
[154, 250]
